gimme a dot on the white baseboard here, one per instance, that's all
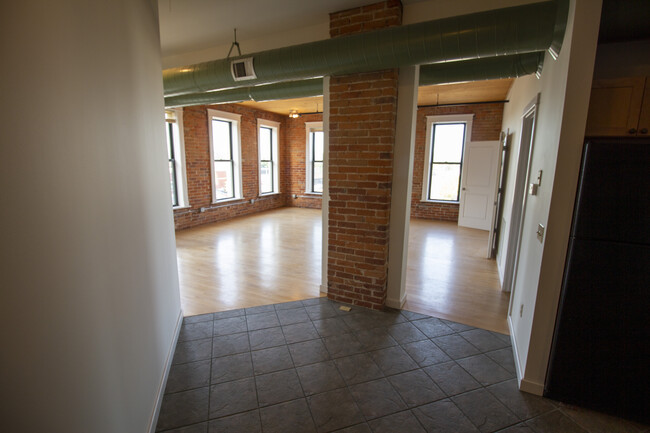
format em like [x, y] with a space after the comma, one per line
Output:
[396, 303]
[323, 289]
[163, 380]
[524, 384]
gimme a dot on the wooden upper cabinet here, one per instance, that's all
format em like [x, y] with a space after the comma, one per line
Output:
[618, 108]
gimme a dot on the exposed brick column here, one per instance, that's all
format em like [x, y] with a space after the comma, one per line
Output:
[362, 119]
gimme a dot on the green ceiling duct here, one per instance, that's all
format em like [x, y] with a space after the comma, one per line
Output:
[489, 68]
[515, 30]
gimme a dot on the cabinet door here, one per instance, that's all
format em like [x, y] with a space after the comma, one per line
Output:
[644, 118]
[615, 106]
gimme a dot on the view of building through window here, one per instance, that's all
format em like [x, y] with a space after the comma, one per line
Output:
[223, 159]
[316, 145]
[446, 161]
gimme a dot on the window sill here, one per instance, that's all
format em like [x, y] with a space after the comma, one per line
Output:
[181, 207]
[316, 194]
[227, 200]
[267, 194]
[440, 201]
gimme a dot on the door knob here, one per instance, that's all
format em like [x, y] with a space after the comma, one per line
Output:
[632, 131]
[644, 131]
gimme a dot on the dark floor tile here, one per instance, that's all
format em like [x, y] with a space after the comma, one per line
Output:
[247, 422]
[342, 345]
[451, 378]
[393, 360]
[194, 428]
[596, 422]
[262, 320]
[270, 360]
[229, 314]
[484, 340]
[232, 325]
[485, 412]
[195, 331]
[315, 301]
[188, 376]
[443, 416]
[455, 346]
[295, 315]
[405, 333]
[308, 352]
[320, 377]
[359, 428]
[553, 422]
[231, 367]
[432, 327]
[358, 368]
[278, 387]
[194, 350]
[265, 338]
[198, 318]
[504, 357]
[484, 370]
[457, 327]
[292, 416]
[503, 337]
[232, 397]
[331, 326]
[388, 317]
[519, 428]
[299, 332]
[410, 315]
[321, 311]
[374, 339]
[230, 344]
[260, 309]
[183, 408]
[522, 404]
[288, 305]
[425, 353]
[334, 410]
[416, 388]
[397, 422]
[377, 398]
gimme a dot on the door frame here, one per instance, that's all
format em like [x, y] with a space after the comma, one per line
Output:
[526, 142]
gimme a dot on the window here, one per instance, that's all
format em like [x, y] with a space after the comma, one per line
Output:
[175, 154]
[268, 156]
[446, 138]
[315, 148]
[225, 155]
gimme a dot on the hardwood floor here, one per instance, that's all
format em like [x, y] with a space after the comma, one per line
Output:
[275, 257]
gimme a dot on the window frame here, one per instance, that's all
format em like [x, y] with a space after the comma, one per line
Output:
[235, 153]
[275, 155]
[174, 125]
[467, 119]
[309, 169]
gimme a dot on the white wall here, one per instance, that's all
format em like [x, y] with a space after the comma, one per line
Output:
[565, 86]
[88, 270]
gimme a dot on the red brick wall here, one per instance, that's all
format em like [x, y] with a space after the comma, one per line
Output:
[485, 126]
[197, 160]
[363, 110]
[366, 18]
[295, 164]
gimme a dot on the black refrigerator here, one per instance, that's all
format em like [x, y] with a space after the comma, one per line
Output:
[600, 357]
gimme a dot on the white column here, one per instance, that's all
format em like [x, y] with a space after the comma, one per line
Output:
[326, 153]
[400, 208]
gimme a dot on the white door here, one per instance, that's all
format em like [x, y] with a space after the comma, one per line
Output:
[478, 180]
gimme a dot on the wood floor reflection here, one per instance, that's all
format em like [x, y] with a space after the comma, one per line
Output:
[275, 257]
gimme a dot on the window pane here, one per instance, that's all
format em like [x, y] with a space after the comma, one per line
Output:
[448, 142]
[172, 180]
[170, 142]
[318, 177]
[223, 180]
[266, 177]
[265, 144]
[221, 139]
[444, 181]
[317, 137]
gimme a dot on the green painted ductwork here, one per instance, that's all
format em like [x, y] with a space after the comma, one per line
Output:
[489, 68]
[500, 32]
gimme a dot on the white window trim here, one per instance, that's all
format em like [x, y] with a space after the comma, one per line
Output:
[275, 134]
[236, 154]
[309, 127]
[467, 119]
[179, 153]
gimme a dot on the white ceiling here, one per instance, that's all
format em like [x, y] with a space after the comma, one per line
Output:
[193, 31]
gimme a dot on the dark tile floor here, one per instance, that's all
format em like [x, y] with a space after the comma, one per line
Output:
[307, 366]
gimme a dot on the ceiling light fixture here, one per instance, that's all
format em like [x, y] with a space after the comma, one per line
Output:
[294, 114]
